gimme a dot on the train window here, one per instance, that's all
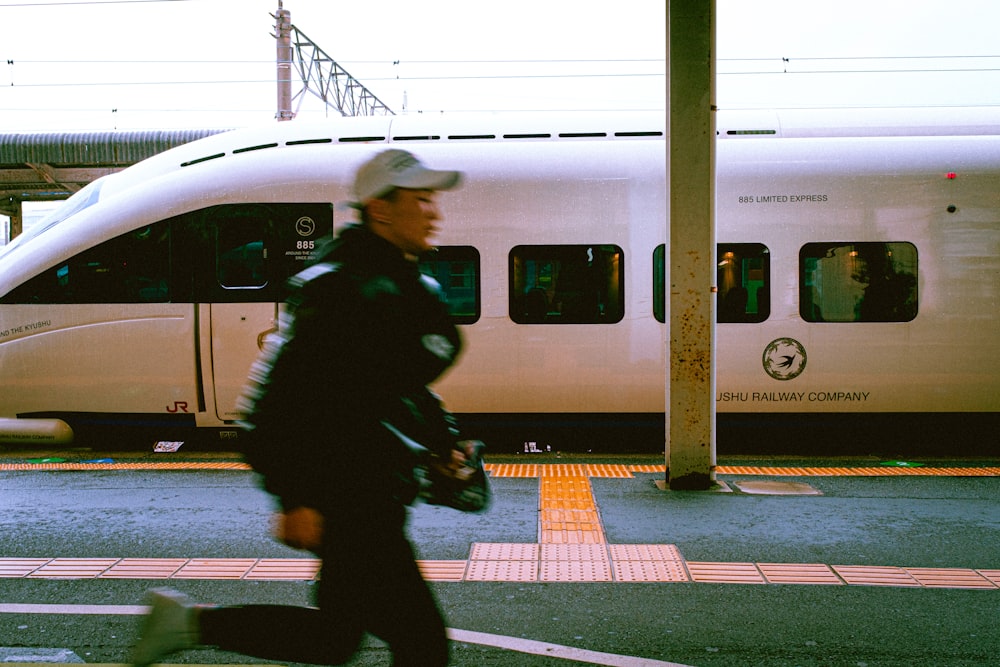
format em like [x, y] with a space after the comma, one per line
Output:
[456, 269]
[744, 282]
[743, 278]
[858, 282]
[659, 279]
[78, 202]
[131, 268]
[241, 253]
[567, 284]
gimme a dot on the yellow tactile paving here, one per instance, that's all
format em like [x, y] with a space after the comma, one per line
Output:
[215, 568]
[649, 571]
[577, 552]
[504, 551]
[949, 578]
[567, 512]
[651, 552]
[500, 570]
[869, 471]
[575, 570]
[543, 469]
[20, 567]
[442, 570]
[512, 469]
[283, 569]
[647, 562]
[81, 466]
[609, 470]
[992, 575]
[866, 575]
[520, 562]
[726, 573]
[794, 573]
[73, 568]
[144, 568]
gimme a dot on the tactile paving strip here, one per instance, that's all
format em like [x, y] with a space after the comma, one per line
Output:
[795, 573]
[864, 575]
[870, 471]
[442, 570]
[539, 562]
[284, 569]
[502, 570]
[519, 562]
[73, 568]
[567, 511]
[144, 568]
[539, 469]
[726, 573]
[949, 578]
[81, 466]
[647, 562]
[216, 568]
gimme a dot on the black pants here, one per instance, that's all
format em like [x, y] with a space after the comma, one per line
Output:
[369, 583]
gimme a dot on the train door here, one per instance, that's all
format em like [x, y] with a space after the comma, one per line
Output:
[257, 247]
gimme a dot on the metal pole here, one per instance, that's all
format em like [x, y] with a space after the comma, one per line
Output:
[283, 36]
[17, 220]
[690, 450]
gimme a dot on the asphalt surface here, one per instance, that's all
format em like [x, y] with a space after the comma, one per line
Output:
[911, 522]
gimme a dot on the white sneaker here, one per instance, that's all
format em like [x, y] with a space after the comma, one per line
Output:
[169, 627]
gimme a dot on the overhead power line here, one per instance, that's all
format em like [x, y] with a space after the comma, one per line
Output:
[471, 77]
[541, 61]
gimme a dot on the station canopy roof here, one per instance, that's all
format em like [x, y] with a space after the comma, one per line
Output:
[53, 165]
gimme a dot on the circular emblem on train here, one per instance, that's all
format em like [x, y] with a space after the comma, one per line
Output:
[784, 358]
[305, 226]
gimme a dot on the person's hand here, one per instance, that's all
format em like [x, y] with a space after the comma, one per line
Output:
[458, 465]
[300, 528]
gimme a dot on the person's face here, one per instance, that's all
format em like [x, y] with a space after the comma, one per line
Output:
[407, 220]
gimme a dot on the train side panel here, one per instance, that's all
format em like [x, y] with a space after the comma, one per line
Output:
[836, 196]
[858, 278]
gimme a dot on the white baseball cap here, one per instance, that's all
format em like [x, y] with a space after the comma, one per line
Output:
[395, 168]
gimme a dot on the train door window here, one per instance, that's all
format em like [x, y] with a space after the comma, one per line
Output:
[858, 282]
[131, 268]
[244, 253]
[659, 281]
[241, 252]
[743, 279]
[567, 284]
[456, 269]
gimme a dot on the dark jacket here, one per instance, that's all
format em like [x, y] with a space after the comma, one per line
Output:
[363, 335]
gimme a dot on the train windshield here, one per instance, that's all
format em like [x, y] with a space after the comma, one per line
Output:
[85, 198]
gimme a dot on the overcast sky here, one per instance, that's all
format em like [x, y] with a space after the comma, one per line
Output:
[150, 64]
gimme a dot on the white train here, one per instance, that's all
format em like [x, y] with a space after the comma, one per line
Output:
[858, 274]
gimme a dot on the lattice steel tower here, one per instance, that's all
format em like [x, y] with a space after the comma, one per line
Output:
[320, 75]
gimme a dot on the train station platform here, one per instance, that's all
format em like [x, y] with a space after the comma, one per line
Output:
[601, 521]
[579, 560]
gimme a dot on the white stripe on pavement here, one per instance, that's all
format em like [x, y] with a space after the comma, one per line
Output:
[106, 609]
[518, 644]
[555, 650]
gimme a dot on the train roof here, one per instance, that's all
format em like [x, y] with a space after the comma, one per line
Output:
[562, 126]
[441, 129]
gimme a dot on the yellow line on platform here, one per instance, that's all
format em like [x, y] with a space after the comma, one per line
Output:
[522, 470]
